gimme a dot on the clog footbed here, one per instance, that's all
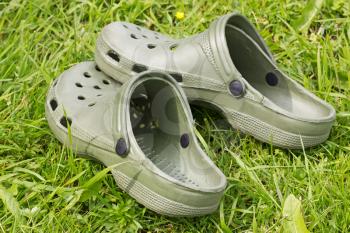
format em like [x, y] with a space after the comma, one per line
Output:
[143, 130]
[228, 67]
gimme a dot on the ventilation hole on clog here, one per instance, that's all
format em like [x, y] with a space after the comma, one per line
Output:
[151, 46]
[177, 76]
[114, 55]
[79, 85]
[97, 87]
[125, 26]
[138, 28]
[157, 38]
[53, 104]
[173, 47]
[139, 68]
[105, 81]
[92, 104]
[65, 122]
[80, 97]
[87, 75]
[144, 36]
[271, 79]
[55, 83]
[133, 36]
[98, 95]
[97, 68]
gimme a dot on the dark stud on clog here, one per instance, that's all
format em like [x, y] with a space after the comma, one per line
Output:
[121, 147]
[184, 140]
[236, 88]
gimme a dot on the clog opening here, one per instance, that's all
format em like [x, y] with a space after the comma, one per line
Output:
[162, 131]
[260, 72]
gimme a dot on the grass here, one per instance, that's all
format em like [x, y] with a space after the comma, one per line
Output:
[42, 183]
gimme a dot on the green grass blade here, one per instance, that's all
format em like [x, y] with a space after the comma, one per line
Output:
[223, 225]
[294, 220]
[308, 14]
[10, 202]
[252, 175]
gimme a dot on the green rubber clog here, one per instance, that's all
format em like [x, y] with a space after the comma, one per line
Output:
[228, 67]
[143, 130]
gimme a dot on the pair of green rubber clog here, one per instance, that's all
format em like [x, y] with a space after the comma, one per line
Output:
[128, 110]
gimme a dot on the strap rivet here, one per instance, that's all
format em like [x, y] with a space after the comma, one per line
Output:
[184, 140]
[236, 88]
[121, 147]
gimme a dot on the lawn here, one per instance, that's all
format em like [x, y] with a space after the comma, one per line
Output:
[43, 186]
